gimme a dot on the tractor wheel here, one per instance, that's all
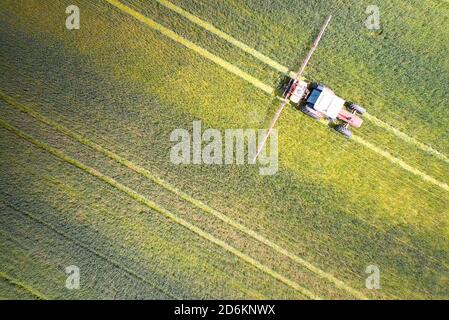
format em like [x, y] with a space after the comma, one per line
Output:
[310, 112]
[343, 130]
[356, 108]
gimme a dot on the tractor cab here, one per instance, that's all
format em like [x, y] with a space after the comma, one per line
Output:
[324, 101]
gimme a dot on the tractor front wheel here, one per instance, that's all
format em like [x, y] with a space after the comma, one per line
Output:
[344, 131]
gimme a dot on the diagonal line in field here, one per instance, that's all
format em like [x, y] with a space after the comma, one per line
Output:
[144, 172]
[23, 286]
[401, 163]
[275, 65]
[263, 86]
[93, 251]
[201, 51]
[407, 138]
[154, 206]
[209, 27]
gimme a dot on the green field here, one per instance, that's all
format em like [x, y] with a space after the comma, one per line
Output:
[86, 178]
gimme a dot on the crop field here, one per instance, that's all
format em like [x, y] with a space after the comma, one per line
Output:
[86, 178]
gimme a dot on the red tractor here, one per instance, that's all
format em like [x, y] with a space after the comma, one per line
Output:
[318, 102]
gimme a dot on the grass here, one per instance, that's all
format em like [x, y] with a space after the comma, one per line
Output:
[125, 102]
[145, 200]
[152, 205]
[142, 171]
[275, 65]
[369, 68]
[266, 88]
[86, 240]
[17, 290]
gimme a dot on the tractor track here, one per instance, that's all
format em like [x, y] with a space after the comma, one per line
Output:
[363, 220]
[211, 28]
[401, 163]
[237, 73]
[23, 286]
[407, 138]
[154, 206]
[266, 88]
[201, 51]
[285, 70]
[86, 247]
[199, 204]
[260, 85]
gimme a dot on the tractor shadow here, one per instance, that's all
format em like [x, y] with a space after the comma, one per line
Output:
[282, 83]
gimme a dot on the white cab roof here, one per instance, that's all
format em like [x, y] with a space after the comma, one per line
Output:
[329, 104]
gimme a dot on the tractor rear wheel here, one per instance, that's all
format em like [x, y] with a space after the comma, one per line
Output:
[310, 112]
[343, 130]
[356, 108]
